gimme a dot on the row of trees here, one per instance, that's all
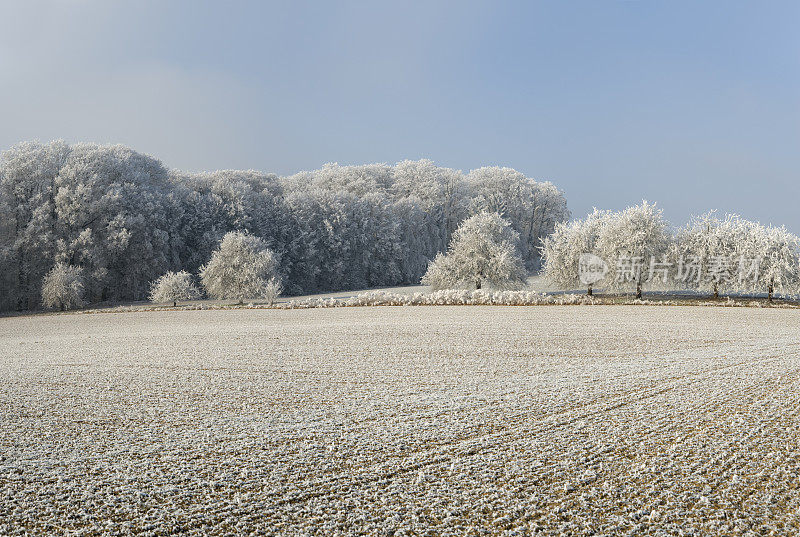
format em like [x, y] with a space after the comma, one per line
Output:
[627, 251]
[105, 222]
[719, 255]
[636, 247]
[121, 219]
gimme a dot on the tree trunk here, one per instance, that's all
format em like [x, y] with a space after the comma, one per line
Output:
[174, 303]
[638, 291]
[589, 290]
[21, 283]
[771, 289]
[716, 290]
[477, 284]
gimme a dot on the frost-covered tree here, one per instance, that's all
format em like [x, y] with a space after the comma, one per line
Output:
[629, 241]
[242, 267]
[442, 193]
[8, 281]
[777, 252]
[533, 208]
[546, 208]
[483, 252]
[215, 203]
[117, 218]
[62, 287]
[28, 231]
[360, 180]
[705, 252]
[416, 246]
[339, 240]
[570, 246]
[172, 287]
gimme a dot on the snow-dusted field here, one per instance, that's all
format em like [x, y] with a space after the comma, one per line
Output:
[389, 421]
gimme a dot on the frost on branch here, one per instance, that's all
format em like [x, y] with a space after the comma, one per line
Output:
[483, 252]
[174, 286]
[62, 287]
[242, 267]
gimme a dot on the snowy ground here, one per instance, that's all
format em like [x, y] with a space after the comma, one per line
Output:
[440, 420]
[535, 283]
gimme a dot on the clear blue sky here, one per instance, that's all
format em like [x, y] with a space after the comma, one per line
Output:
[694, 105]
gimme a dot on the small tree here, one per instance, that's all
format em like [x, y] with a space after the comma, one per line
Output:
[483, 252]
[174, 286]
[62, 287]
[568, 247]
[708, 242]
[242, 267]
[778, 254]
[630, 240]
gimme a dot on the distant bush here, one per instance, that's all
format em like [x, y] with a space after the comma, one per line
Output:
[62, 287]
[242, 267]
[172, 287]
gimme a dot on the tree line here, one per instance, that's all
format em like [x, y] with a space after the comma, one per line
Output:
[635, 248]
[627, 251]
[121, 219]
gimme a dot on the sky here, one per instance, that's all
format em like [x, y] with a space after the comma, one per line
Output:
[693, 105]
